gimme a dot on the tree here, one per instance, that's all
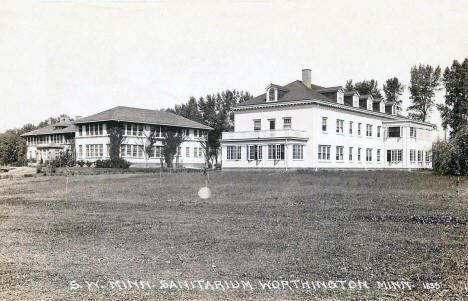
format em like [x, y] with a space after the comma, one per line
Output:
[172, 139]
[116, 132]
[364, 87]
[393, 89]
[12, 148]
[454, 112]
[425, 81]
[146, 144]
[349, 85]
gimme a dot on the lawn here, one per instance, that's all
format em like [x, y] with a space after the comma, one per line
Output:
[295, 231]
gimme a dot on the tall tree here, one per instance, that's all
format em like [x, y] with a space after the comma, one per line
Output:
[172, 139]
[454, 112]
[116, 132]
[12, 148]
[364, 87]
[425, 81]
[393, 89]
[349, 85]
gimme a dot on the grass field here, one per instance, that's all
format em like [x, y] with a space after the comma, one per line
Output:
[256, 227]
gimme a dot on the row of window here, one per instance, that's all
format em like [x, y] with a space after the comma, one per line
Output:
[133, 129]
[255, 152]
[324, 153]
[55, 139]
[272, 123]
[134, 151]
[340, 127]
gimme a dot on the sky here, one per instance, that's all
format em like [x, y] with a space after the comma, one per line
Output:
[83, 57]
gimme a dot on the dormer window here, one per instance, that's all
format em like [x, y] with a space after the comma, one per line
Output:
[369, 103]
[340, 97]
[355, 101]
[382, 106]
[272, 94]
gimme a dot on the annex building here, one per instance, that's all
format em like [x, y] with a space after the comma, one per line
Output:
[303, 125]
[89, 137]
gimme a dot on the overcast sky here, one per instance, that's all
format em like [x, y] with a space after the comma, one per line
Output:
[83, 57]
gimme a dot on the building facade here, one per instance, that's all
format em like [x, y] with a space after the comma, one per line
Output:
[301, 125]
[47, 143]
[93, 141]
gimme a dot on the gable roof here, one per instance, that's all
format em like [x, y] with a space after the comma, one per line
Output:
[63, 127]
[146, 116]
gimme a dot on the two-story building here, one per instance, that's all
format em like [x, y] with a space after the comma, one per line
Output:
[46, 143]
[302, 125]
[93, 142]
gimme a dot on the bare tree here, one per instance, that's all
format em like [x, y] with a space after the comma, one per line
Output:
[146, 144]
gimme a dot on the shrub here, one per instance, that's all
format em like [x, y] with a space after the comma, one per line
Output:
[451, 158]
[66, 158]
[88, 163]
[80, 163]
[112, 163]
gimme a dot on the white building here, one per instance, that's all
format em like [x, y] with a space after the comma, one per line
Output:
[46, 143]
[93, 143]
[301, 125]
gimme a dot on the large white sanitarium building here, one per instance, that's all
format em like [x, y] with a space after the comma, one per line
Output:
[302, 125]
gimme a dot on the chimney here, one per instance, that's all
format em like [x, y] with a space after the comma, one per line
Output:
[307, 77]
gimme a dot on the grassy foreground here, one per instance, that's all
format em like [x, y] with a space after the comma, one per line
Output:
[129, 233]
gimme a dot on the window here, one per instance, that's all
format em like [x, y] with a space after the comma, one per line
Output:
[276, 151]
[287, 123]
[298, 152]
[350, 154]
[359, 129]
[134, 129]
[255, 152]
[339, 153]
[128, 129]
[87, 130]
[187, 152]
[200, 152]
[324, 152]
[87, 151]
[140, 151]
[420, 156]
[80, 151]
[140, 130]
[233, 152]
[394, 131]
[378, 155]
[379, 129]
[100, 128]
[157, 152]
[339, 126]
[257, 125]
[369, 130]
[272, 124]
[394, 155]
[369, 155]
[134, 151]
[412, 155]
[324, 124]
[412, 132]
[359, 154]
[80, 130]
[428, 157]
[350, 127]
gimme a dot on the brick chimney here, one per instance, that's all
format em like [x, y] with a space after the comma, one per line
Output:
[307, 77]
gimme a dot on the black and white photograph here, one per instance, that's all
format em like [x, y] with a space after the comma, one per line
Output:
[233, 150]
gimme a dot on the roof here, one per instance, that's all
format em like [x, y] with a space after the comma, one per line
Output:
[298, 92]
[56, 128]
[138, 115]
